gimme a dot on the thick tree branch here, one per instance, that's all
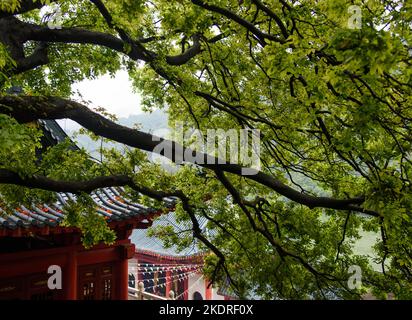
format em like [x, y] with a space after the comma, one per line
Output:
[82, 36]
[38, 58]
[14, 33]
[186, 56]
[45, 183]
[31, 108]
[137, 52]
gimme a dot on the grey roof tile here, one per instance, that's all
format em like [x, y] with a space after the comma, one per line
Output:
[52, 213]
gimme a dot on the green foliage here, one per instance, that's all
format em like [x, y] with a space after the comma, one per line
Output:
[9, 5]
[18, 145]
[333, 105]
[82, 214]
[365, 154]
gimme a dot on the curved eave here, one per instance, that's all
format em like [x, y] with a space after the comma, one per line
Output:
[139, 222]
[46, 219]
[155, 256]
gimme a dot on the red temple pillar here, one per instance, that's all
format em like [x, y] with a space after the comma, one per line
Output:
[126, 251]
[208, 293]
[70, 276]
[123, 279]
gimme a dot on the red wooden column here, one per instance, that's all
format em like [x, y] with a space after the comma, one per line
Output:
[208, 293]
[126, 252]
[123, 279]
[168, 283]
[70, 276]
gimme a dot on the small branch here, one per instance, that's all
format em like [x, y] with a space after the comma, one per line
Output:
[244, 23]
[275, 17]
[343, 236]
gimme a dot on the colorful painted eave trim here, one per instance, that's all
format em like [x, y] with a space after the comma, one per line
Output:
[196, 256]
[46, 219]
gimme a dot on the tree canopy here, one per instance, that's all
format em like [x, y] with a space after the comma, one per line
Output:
[327, 84]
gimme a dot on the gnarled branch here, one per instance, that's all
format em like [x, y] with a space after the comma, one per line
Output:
[31, 108]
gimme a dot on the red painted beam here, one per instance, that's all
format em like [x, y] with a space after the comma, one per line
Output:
[97, 256]
[36, 265]
[126, 225]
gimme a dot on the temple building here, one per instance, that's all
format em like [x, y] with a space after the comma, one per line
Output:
[31, 241]
[33, 245]
[159, 270]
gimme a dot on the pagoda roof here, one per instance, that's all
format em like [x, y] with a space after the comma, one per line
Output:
[152, 245]
[46, 218]
[111, 203]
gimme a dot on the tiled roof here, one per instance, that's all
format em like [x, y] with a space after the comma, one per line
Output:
[54, 129]
[54, 134]
[144, 242]
[109, 203]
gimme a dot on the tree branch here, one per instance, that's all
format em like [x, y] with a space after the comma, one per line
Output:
[275, 17]
[32, 108]
[265, 232]
[38, 58]
[45, 183]
[244, 23]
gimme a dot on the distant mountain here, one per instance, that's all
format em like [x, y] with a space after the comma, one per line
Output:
[149, 121]
[155, 122]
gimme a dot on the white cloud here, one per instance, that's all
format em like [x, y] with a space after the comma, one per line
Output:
[114, 94]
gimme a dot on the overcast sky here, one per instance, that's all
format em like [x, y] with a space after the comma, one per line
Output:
[114, 94]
